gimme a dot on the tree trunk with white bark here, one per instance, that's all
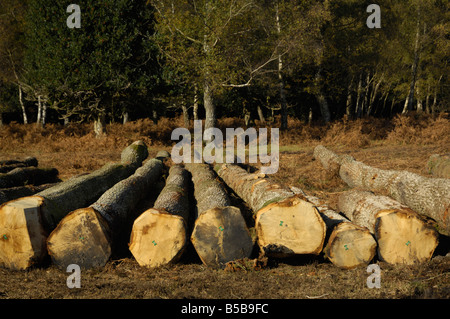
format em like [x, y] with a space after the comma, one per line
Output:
[403, 236]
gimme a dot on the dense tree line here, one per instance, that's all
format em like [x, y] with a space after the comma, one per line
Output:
[255, 59]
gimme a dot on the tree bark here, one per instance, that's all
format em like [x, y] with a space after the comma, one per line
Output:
[330, 160]
[39, 112]
[87, 236]
[348, 104]
[410, 98]
[100, 126]
[220, 233]
[321, 99]
[208, 102]
[185, 114]
[285, 224]
[358, 108]
[439, 165]
[8, 194]
[22, 176]
[262, 120]
[348, 245]
[427, 196]
[24, 112]
[25, 222]
[403, 236]
[9, 165]
[195, 107]
[160, 234]
[284, 115]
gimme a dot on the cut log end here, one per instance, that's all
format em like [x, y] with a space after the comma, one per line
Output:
[350, 246]
[289, 227]
[81, 238]
[158, 238]
[22, 241]
[220, 235]
[404, 237]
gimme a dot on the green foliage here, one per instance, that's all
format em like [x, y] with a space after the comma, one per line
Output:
[86, 70]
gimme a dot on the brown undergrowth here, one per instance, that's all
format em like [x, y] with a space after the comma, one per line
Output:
[405, 142]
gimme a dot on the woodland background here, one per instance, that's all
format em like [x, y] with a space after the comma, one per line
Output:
[257, 60]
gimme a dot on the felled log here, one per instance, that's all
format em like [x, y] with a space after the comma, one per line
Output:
[347, 245]
[403, 236]
[26, 222]
[330, 160]
[22, 176]
[220, 233]
[427, 196]
[7, 194]
[285, 224]
[29, 161]
[439, 165]
[160, 234]
[86, 236]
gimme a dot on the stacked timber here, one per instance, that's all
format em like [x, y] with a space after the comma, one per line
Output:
[285, 223]
[8, 165]
[347, 245]
[220, 233]
[160, 234]
[26, 222]
[426, 196]
[403, 236]
[86, 236]
[8, 194]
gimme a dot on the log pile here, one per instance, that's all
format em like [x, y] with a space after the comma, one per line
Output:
[220, 234]
[24, 178]
[395, 214]
[407, 222]
[285, 224]
[26, 222]
[160, 234]
[86, 236]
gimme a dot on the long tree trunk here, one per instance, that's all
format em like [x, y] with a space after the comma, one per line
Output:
[320, 96]
[374, 95]
[160, 234]
[348, 104]
[9, 194]
[347, 245]
[208, 102]
[9, 165]
[22, 176]
[414, 67]
[358, 107]
[185, 114]
[24, 113]
[87, 236]
[100, 126]
[427, 196]
[39, 112]
[284, 117]
[285, 224]
[195, 104]
[26, 222]
[403, 236]
[220, 233]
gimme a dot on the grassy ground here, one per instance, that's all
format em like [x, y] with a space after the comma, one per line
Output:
[404, 143]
